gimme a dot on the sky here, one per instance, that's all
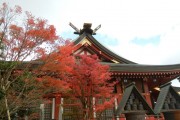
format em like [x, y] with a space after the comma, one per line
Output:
[143, 31]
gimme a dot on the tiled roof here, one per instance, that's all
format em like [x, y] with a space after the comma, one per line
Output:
[132, 97]
[126, 65]
[141, 67]
[168, 100]
[102, 48]
[177, 89]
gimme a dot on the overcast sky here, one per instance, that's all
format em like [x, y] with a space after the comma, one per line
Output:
[143, 31]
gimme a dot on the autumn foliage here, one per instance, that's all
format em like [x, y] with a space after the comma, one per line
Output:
[21, 39]
[80, 78]
[35, 62]
[90, 83]
[57, 69]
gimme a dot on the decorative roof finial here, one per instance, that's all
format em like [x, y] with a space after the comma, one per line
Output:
[86, 29]
[77, 31]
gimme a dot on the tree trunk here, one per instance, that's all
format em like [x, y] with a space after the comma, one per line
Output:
[88, 107]
[7, 108]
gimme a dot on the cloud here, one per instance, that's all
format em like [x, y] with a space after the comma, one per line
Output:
[122, 21]
[169, 45]
[165, 51]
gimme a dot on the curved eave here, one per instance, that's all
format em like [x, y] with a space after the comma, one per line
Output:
[102, 48]
[143, 68]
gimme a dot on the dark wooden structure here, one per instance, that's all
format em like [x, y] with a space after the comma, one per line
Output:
[135, 101]
[168, 103]
[133, 104]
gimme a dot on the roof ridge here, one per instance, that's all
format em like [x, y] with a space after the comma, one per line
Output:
[102, 47]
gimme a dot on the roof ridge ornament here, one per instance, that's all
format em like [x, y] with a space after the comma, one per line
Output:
[97, 28]
[77, 31]
[86, 29]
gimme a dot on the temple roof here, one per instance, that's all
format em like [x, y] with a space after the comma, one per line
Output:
[142, 67]
[123, 64]
[177, 89]
[118, 64]
[131, 97]
[168, 100]
[101, 48]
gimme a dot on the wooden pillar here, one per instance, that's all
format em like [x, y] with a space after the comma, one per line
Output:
[119, 91]
[146, 91]
[116, 105]
[119, 88]
[42, 111]
[94, 108]
[119, 85]
[57, 105]
[53, 109]
[61, 109]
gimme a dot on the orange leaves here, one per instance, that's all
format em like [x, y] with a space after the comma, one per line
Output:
[15, 28]
[30, 21]
[40, 33]
[39, 79]
[58, 68]
[60, 60]
[39, 29]
[57, 85]
[33, 34]
[83, 80]
[41, 24]
[52, 31]
[92, 80]
[15, 49]
[28, 40]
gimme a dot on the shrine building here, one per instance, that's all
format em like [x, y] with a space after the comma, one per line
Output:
[144, 91]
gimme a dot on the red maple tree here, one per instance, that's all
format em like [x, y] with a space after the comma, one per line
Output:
[21, 40]
[56, 69]
[90, 83]
[82, 80]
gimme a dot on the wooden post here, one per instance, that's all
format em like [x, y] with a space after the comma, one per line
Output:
[94, 109]
[146, 91]
[53, 108]
[61, 109]
[116, 105]
[118, 85]
[42, 112]
[57, 104]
